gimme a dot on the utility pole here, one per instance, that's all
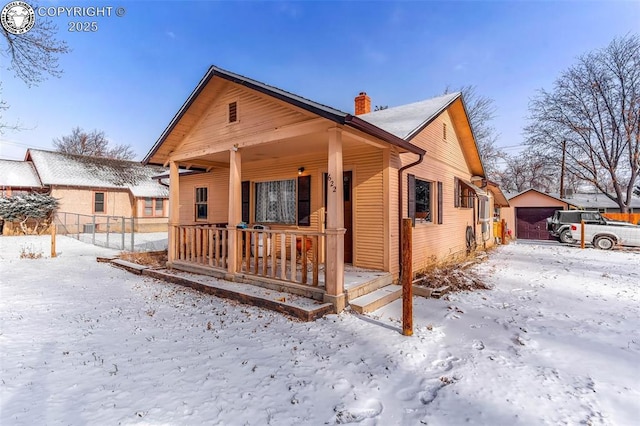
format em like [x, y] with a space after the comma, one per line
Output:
[564, 154]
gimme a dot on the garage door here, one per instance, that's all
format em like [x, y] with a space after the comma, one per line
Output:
[531, 222]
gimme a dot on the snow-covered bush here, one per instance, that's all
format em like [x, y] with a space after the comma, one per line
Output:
[33, 212]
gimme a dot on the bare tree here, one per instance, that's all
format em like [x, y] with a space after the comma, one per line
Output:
[94, 144]
[481, 111]
[593, 113]
[31, 56]
[529, 169]
[34, 54]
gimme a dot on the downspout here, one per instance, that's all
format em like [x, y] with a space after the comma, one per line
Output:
[400, 170]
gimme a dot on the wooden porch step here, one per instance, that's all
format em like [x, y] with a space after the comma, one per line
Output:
[296, 306]
[129, 266]
[368, 287]
[293, 305]
[377, 299]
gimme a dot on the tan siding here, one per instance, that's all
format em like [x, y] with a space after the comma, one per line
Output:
[443, 162]
[80, 200]
[256, 113]
[394, 228]
[368, 202]
[217, 182]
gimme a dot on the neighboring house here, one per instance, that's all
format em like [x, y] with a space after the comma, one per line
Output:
[340, 182]
[18, 177]
[529, 210]
[87, 186]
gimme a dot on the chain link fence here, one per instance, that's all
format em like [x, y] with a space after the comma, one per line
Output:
[116, 232]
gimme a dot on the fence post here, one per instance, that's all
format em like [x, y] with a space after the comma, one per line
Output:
[108, 229]
[123, 225]
[53, 239]
[132, 232]
[582, 234]
[78, 226]
[93, 232]
[503, 231]
[407, 278]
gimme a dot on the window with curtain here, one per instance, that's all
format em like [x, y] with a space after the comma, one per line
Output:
[276, 201]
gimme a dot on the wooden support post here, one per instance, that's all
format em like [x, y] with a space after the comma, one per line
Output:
[503, 231]
[53, 240]
[407, 278]
[582, 234]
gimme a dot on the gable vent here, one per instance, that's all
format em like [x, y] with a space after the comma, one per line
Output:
[233, 112]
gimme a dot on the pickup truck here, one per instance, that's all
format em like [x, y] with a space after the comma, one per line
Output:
[605, 237]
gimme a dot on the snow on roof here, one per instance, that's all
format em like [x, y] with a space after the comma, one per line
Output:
[596, 200]
[584, 200]
[404, 120]
[18, 174]
[56, 168]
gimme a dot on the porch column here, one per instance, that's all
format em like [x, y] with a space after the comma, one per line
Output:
[235, 209]
[174, 209]
[334, 270]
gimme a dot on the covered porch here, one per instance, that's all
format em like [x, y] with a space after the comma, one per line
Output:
[273, 259]
[305, 257]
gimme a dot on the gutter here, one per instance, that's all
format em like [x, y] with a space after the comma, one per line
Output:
[400, 191]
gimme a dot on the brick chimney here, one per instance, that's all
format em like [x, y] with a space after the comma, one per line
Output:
[363, 103]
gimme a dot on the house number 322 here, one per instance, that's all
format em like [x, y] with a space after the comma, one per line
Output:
[331, 183]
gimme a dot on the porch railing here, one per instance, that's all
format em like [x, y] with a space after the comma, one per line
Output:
[290, 256]
[203, 245]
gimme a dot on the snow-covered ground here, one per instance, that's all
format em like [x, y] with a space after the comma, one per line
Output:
[556, 341]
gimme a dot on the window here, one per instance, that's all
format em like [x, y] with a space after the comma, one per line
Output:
[201, 203]
[159, 207]
[276, 201]
[148, 206]
[98, 202]
[463, 196]
[233, 112]
[420, 192]
[153, 206]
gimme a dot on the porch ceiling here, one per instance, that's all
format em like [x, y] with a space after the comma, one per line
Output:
[310, 144]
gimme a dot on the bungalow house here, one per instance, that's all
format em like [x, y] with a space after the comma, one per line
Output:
[92, 186]
[324, 186]
[529, 209]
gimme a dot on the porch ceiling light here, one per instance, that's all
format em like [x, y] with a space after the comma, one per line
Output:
[300, 170]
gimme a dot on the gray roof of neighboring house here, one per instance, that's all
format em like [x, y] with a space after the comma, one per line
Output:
[583, 200]
[404, 121]
[56, 168]
[597, 200]
[18, 174]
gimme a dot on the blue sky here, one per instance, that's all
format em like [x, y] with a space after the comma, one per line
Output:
[131, 76]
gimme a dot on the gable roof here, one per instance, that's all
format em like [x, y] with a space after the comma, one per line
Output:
[56, 168]
[18, 174]
[405, 121]
[335, 115]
